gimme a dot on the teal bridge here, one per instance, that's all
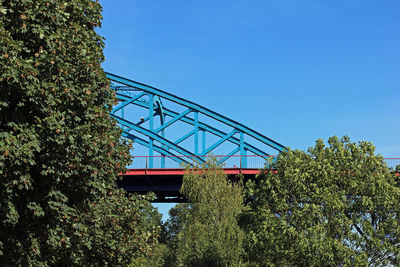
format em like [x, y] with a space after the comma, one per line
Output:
[173, 131]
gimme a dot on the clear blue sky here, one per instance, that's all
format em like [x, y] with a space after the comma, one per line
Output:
[293, 70]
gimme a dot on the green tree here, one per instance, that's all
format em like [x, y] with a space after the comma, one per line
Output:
[178, 218]
[206, 231]
[335, 205]
[60, 152]
[115, 230]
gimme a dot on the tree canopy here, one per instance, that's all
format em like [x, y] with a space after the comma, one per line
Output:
[60, 152]
[335, 205]
[205, 232]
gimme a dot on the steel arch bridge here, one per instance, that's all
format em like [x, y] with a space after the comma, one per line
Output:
[148, 116]
[173, 129]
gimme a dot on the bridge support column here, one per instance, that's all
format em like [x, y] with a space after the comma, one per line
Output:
[151, 128]
[163, 146]
[203, 142]
[196, 133]
[243, 152]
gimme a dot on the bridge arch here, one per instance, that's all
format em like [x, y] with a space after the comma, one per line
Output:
[165, 110]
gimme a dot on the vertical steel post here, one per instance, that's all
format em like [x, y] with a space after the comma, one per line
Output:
[151, 128]
[163, 146]
[160, 112]
[196, 133]
[203, 142]
[242, 152]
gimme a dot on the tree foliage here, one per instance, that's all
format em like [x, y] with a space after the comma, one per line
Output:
[60, 152]
[206, 232]
[116, 230]
[335, 205]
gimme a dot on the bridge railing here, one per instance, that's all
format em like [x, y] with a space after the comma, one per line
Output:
[228, 161]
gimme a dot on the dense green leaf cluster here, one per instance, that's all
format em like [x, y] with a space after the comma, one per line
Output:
[336, 205]
[116, 230]
[206, 232]
[60, 152]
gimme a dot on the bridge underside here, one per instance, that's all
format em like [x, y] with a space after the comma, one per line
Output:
[165, 183]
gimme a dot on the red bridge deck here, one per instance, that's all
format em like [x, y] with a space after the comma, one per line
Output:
[166, 182]
[180, 171]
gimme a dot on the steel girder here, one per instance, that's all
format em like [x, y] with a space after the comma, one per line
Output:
[237, 136]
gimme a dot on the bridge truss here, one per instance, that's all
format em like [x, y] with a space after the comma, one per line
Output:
[200, 130]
